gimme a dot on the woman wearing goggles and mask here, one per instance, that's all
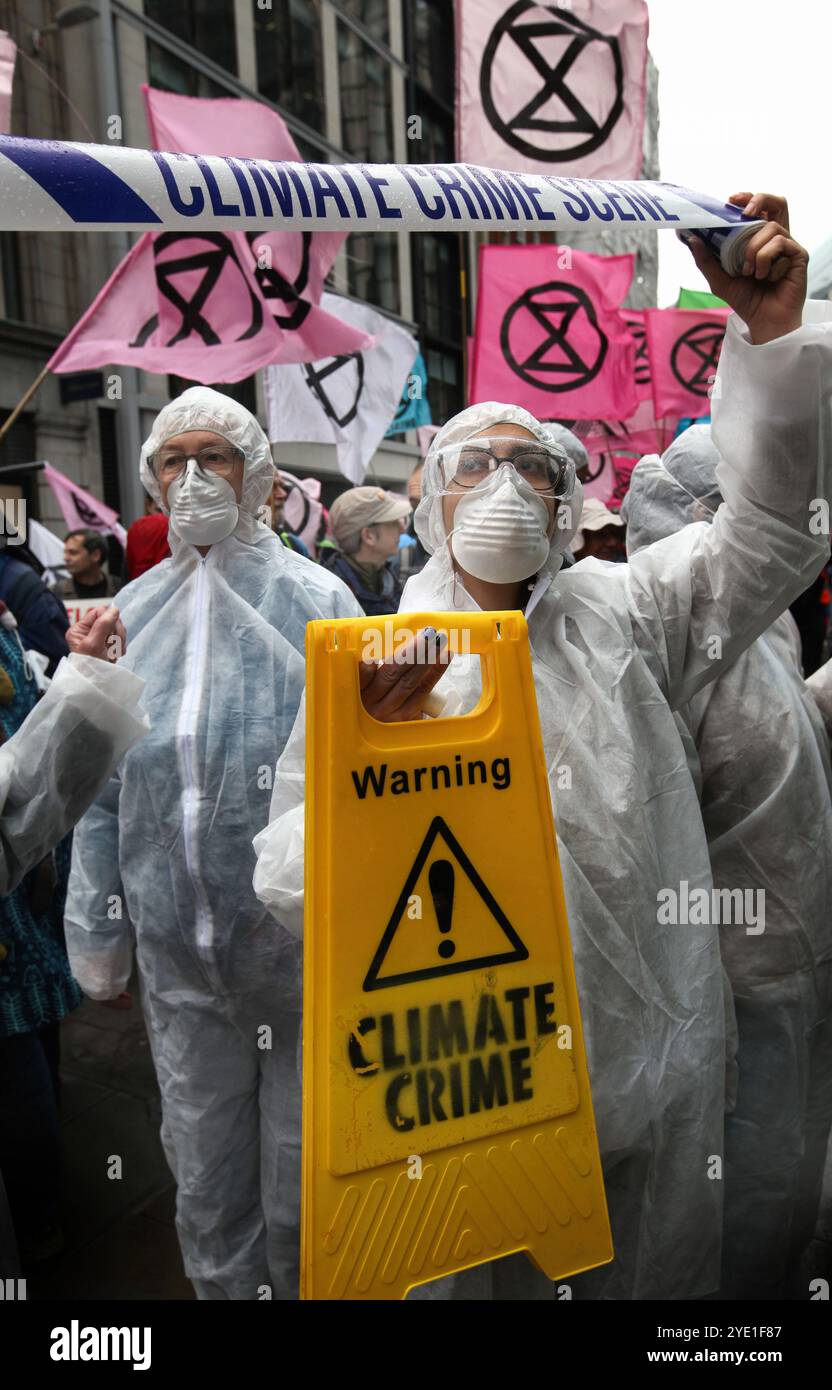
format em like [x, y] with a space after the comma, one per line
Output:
[615, 647]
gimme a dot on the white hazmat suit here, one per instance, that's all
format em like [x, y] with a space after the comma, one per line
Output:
[219, 641]
[766, 796]
[61, 757]
[820, 688]
[615, 647]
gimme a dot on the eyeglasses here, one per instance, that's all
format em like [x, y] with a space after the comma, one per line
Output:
[545, 470]
[214, 458]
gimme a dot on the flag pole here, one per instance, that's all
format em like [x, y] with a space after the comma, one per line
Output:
[24, 400]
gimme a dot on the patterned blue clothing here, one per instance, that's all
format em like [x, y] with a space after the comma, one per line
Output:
[36, 987]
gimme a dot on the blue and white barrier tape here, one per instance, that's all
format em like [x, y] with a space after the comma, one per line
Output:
[51, 185]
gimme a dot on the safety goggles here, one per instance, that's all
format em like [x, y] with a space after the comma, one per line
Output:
[214, 458]
[546, 469]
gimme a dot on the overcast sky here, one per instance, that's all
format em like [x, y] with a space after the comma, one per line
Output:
[745, 102]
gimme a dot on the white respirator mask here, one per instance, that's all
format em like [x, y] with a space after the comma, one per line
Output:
[500, 531]
[203, 507]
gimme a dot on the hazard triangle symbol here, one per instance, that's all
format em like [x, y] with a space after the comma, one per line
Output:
[445, 920]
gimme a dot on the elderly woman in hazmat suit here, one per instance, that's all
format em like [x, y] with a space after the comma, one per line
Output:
[614, 649]
[761, 759]
[163, 859]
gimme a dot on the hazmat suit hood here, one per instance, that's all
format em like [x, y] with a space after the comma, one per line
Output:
[429, 520]
[201, 408]
[671, 491]
[573, 447]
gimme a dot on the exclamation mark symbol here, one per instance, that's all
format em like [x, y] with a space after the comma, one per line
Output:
[441, 881]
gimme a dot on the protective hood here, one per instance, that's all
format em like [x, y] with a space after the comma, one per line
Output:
[572, 446]
[428, 519]
[670, 492]
[201, 408]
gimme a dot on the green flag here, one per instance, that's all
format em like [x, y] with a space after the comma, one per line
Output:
[699, 299]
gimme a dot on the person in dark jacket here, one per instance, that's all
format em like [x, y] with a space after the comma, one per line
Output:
[85, 556]
[56, 754]
[36, 991]
[367, 525]
[41, 617]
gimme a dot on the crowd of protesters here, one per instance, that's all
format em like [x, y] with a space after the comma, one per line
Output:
[664, 658]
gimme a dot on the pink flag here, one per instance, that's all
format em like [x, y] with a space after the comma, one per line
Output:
[641, 434]
[214, 306]
[80, 508]
[551, 89]
[231, 127]
[634, 318]
[552, 339]
[193, 306]
[8, 53]
[619, 444]
[303, 507]
[684, 347]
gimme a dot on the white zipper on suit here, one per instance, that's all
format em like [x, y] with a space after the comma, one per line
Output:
[186, 734]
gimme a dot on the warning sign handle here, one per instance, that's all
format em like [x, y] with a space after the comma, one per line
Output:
[490, 636]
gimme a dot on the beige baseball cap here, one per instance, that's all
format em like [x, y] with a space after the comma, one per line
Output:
[364, 506]
[595, 516]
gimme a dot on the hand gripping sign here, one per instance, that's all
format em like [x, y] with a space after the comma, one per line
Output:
[447, 1115]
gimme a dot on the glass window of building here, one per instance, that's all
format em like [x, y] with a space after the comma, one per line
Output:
[436, 266]
[310, 153]
[290, 70]
[436, 142]
[431, 45]
[172, 74]
[372, 14]
[18, 446]
[11, 306]
[438, 310]
[244, 391]
[444, 383]
[108, 452]
[373, 269]
[207, 25]
[366, 103]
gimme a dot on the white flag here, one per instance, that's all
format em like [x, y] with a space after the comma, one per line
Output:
[347, 401]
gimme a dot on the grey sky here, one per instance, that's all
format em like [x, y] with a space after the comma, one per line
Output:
[744, 101]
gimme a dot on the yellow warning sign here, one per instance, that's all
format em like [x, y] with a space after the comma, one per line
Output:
[447, 1114]
[478, 934]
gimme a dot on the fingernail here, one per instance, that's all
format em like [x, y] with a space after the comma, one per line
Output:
[748, 268]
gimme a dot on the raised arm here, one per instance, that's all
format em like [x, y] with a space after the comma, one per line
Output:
[702, 596]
